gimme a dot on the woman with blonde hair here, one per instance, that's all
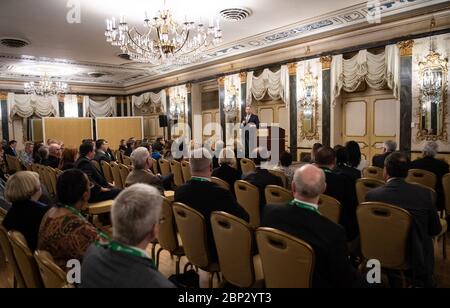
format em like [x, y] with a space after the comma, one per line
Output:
[23, 190]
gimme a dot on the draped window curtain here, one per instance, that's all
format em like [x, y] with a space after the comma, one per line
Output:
[26, 106]
[377, 71]
[275, 84]
[98, 109]
[70, 106]
[152, 99]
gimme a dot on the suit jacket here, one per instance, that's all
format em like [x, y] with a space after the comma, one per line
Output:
[228, 174]
[26, 218]
[426, 224]
[439, 168]
[104, 268]
[378, 160]
[52, 161]
[10, 151]
[102, 156]
[128, 152]
[342, 189]
[253, 119]
[110, 154]
[144, 177]
[332, 266]
[262, 178]
[85, 165]
[208, 197]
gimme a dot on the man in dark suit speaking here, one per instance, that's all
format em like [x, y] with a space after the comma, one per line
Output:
[250, 123]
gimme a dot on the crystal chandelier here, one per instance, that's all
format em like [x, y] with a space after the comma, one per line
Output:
[165, 40]
[45, 87]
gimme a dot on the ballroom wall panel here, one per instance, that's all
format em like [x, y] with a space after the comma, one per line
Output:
[70, 131]
[115, 129]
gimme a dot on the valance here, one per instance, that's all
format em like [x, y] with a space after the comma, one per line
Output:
[96, 109]
[26, 106]
[276, 85]
[156, 99]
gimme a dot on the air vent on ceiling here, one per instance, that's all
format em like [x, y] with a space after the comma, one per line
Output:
[235, 14]
[97, 74]
[124, 56]
[13, 42]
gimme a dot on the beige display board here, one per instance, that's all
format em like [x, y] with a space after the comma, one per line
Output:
[71, 131]
[116, 129]
[36, 130]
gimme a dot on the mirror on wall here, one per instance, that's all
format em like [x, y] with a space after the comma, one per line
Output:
[308, 106]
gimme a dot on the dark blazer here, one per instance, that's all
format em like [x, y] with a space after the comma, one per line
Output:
[104, 268]
[262, 178]
[342, 189]
[85, 165]
[110, 154]
[52, 161]
[208, 197]
[439, 168]
[128, 152]
[253, 119]
[350, 173]
[378, 160]
[101, 156]
[426, 224]
[26, 218]
[228, 174]
[332, 266]
[10, 151]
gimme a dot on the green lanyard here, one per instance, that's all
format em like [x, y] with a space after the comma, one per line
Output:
[326, 170]
[79, 215]
[304, 206]
[114, 246]
[196, 179]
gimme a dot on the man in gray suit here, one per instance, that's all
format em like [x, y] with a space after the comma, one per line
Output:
[123, 262]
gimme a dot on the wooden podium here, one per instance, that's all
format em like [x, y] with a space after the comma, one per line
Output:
[273, 138]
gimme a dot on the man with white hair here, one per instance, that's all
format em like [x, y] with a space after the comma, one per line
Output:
[205, 196]
[301, 218]
[54, 156]
[124, 262]
[141, 173]
[429, 162]
[389, 147]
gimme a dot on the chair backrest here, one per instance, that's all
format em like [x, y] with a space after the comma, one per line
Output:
[423, 177]
[186, 170]
[124, 171]
[5, 245]
[232, 234]
[25, 260]
[155, 166]
[34, 168]
[446, 185]
[282, 176]
[384, 231]
[364, 185]
[247, 196]
[247, 166]
[175, 168]
[168, 238]
[221, 183]
[44, 176]
[330, 208]
[431, 190]
[287, 262]
[96, 165]
[192, 228]
[277, 195]
[116, 175]
[373, 173]
[52, 275]
[126, 160]
[13, 163]
[51, 173]
[164, 165]
[107, 171]
[58, 172]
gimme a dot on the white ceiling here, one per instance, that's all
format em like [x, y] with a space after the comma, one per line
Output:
[82, 47]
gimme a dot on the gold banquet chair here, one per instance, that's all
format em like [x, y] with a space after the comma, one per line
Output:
[25, 260]
[164, 165]
[221, 183]
[186, 171]
[175, 168]
[364, 185]
[124, 170]
[330, 208]
[373, 173]
[423, 177]
[247, 196]
[52, 275]
[6, 247]
[281, 175]
[154, 166]
[116, 175]
[384, 232]
[287, 262]
[96, 165]
[247, 166]
[107, 171]
[126, 160]
[192, 228]
[233, 234]
[277, 195]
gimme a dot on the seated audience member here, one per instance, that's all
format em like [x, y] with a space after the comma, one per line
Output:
[68, 159]
[11, 148]
[207, 197]
[54, 156]
[388, 148]
[155, 154]
[65, 233]
[261, 177]
[101, 190]
[227, 170]
[430, 163]
[3, 169]
[159, 145]
[141, 173]
[316, 147]
[124, 263]
[26, 156]
[123, 146]
[102, 151]
[340, 188]
[36, 157]
[342, 167]
[23, 190]
[301, 218]
[355, 159]
[417, 201]
[286, 166]
[131, 145]
[168, 151]
[43, 154]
